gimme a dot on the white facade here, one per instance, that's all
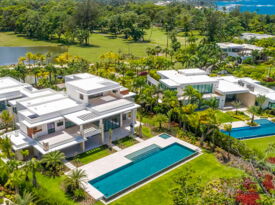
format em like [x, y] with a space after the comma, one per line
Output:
[225, 89]
[238, 50]
[11, 89]
[249, 36]
[50, 120]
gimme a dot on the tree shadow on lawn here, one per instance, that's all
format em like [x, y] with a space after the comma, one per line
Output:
[87, 46]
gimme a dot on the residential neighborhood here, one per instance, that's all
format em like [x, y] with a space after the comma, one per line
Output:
[137, 102]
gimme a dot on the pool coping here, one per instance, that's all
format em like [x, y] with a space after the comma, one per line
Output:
[151, 178]
[116, 160]
[250, 137]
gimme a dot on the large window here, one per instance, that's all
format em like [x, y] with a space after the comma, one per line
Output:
[164, 87]
[2, 105]
[271, 105]
[204, 88]
[111, 123]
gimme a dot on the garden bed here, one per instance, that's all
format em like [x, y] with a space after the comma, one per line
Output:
[91, 155]
[125, 142]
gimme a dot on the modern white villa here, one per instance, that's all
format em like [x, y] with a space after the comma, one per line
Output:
[243, 51]
[249, 36]
[75, 121]
[11, 89]
[225, 89]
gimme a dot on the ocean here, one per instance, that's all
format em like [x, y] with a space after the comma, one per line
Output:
[258, 6]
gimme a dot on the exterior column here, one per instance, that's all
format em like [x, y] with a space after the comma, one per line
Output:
[121, 119]
[133, 116]
[81, 131]
[101, 126]
[83, 146]
[133, 121]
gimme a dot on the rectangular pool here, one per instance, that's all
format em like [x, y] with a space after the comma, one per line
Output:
[265, 128]
[146, 163]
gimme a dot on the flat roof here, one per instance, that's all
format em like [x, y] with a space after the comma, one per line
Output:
[53, 106]
[193, 71]
[249, 36]
[6, 82]
[240, 46]
[226, 87]
[101, 111]
[182, 79]
[28, 102]
[94, 84]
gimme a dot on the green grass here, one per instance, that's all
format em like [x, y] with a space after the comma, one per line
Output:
[100, 44]
[157, 191]
[223, 117]
[240, 115]
[260, 143]
[93, 154]
[51, 190]
[125, 142]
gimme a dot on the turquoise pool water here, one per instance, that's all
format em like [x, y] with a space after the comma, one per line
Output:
[164, 136]
[144, 167]
[266, 128]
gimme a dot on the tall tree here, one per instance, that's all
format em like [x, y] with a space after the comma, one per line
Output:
[85, 19]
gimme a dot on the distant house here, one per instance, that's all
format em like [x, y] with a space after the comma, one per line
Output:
[225, 89]
[75, 121]
[250, 36]
[238, 50]
[11, 89]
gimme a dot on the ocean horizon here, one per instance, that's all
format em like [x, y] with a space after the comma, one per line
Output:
[258, 6]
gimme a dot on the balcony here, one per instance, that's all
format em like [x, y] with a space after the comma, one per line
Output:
[59, 138]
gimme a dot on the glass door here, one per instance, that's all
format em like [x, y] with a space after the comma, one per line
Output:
[51, 127]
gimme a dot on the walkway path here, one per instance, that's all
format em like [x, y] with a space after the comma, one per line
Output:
[69, 165]
[116, 147]
[138, 139]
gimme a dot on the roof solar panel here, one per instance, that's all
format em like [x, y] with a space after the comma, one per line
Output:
[87, 116]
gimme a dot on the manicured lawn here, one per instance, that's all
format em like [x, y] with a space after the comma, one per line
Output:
[239, 116]
[93, 154]
[157, 191]
[223, 117]
[100, 44]
[125, 142]
[51, 190]
[260, 143]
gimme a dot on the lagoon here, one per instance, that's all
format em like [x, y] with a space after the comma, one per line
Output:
[10, 55]
[258, 6]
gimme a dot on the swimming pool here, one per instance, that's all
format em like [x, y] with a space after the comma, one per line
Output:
[146, 163]
[164, 136]
[265, 128]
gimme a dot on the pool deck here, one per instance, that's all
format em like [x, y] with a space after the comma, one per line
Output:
[118, 159]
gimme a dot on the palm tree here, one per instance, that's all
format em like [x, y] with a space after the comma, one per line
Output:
[212, 103]
[160, 118]
[29, 57]
[26, 199]
[236, 104]
[6, 118]
[6, 147]
[260, 101]
[75, 179]
[53, 162]
[15, 180]
[253, 110]
[33, 165]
